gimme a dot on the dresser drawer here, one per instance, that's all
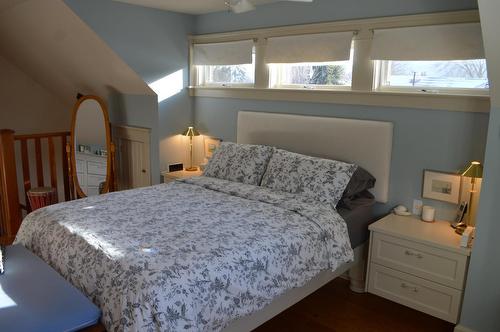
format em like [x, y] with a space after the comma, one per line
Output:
[434, 264]
[81, 166]
[96, 168]
[417, 293]
[82, 179]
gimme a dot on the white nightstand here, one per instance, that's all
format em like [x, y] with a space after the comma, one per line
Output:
[420, 265]
[172, 176]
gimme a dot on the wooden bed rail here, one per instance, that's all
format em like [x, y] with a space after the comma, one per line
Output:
[11, 207]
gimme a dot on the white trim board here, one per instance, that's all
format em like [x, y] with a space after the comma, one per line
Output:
[427, 101]
[463, 16]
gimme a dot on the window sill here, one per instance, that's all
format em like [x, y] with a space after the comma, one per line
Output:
[420, 100]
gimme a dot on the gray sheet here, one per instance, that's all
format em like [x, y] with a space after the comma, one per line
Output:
[357, 222]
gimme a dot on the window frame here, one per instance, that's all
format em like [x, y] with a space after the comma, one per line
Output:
[381, 72]
[276, 73]
[365, 88]
[203, 71]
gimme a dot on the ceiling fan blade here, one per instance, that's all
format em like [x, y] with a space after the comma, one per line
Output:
[243, 6]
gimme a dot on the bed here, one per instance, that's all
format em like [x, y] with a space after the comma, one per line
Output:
[208, 253]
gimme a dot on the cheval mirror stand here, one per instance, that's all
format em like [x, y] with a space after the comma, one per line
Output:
[90, 151]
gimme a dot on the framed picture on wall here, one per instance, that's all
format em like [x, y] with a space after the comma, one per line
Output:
[211, 144]
[441, 186]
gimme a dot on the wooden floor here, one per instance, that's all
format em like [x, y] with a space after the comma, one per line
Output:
[335, 308]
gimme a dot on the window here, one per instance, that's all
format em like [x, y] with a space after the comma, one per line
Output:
[335, 74]
[240, 75]
[226, 63]
[434, 75]
[231, 75]
[431, 61]
[431, 58]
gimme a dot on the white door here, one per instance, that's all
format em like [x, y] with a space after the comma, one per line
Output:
[132, 157]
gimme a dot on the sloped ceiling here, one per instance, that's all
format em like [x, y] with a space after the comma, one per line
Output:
[58, 50]
[7, 4]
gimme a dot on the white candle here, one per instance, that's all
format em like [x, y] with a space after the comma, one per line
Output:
[428, 213]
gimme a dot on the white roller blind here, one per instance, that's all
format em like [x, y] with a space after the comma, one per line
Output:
[321, 47]
[433, 42]
[229, 53]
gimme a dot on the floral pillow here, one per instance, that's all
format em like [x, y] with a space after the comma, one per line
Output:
[239, 162]
[321, 179]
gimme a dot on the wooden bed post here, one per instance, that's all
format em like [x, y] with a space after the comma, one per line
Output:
[9, 193]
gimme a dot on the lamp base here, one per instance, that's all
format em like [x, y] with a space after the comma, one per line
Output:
[192, 169]
[460, 228]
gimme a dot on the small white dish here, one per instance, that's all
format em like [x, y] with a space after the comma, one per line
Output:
[402, 213]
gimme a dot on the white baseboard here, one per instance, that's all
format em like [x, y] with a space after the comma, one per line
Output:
[461, 328]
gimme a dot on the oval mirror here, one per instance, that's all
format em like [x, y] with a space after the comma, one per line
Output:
[91, 147]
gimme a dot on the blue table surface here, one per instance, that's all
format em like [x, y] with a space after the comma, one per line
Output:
[34, 297]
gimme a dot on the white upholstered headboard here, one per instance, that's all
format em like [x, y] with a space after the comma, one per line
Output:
[363, 142]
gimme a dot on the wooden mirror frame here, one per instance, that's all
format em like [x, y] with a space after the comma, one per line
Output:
[71, 148]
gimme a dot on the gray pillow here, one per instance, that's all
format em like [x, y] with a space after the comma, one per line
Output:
[364, 198]
[239, 162]
[360, 181]
[320, 179]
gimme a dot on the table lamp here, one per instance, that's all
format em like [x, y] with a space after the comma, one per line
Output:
[191, 132]
[473, 171]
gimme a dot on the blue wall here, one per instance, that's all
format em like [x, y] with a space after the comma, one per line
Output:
[286, 13]
[154, 44]
[138, 111]
[424, 139]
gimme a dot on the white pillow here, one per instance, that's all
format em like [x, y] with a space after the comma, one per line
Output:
[321, 179]
[239, 162]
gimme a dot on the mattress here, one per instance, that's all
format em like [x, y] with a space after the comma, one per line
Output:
[357, 221]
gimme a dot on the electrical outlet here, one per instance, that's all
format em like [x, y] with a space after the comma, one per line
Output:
[417, 207]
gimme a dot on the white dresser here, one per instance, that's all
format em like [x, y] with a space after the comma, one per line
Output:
[91, 171]
[420, 265]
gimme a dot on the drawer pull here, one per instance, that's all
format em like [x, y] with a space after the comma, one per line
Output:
[411, 288]
[411, 253]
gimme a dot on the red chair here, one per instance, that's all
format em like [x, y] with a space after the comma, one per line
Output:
[42, 197]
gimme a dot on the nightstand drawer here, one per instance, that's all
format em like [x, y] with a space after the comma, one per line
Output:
[417, 293]
[434, 264]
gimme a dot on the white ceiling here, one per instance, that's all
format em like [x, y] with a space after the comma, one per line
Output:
[194, 7]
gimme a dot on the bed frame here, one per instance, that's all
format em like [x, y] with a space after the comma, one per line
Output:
[363, 142]
[366, 143]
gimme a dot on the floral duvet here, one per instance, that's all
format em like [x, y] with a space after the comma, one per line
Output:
[190, 255]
